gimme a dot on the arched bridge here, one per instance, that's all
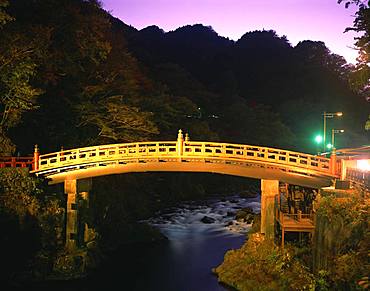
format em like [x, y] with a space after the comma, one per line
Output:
[73, 167]
[183, 155]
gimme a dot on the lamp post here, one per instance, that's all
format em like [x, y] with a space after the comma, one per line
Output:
[333, 132]
[329, 115]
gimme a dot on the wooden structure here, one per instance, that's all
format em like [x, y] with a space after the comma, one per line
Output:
[187, 156]
[74, 167]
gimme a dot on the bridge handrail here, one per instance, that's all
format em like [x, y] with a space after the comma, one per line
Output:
[358, 176]
[16, 162]
[258, 153]
[182, 149]
[283, 216]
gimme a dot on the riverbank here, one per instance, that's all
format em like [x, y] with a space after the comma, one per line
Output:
[336, 260]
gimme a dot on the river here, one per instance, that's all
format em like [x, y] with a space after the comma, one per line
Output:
[185, 261]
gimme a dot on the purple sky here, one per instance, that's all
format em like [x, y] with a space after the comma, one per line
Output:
[322, 20]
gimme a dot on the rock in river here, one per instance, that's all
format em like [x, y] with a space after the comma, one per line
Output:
[207, 219]
[245, 214]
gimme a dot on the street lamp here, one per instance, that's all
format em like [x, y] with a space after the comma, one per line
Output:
[333, 132]
[329, 115]
[318, 139]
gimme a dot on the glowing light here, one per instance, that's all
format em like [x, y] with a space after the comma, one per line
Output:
[318, 139]
[329, 146]
[363, 165]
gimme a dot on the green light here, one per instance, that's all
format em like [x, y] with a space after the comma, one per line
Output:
[329, 146]
[318, 139]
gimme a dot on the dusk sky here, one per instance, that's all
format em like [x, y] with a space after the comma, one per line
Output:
[299, 20]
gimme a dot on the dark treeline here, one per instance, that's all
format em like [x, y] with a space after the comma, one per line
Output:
[264, 90]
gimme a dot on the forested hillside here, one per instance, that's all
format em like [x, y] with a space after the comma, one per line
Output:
[261, 77]
[73, 75]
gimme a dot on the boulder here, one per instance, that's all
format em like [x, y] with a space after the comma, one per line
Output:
[230, 213]
[207, 219]
[245, 214]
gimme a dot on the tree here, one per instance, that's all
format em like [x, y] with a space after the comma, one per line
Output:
[4, 17]
[18, 57]
[76, 45]
[367, 125]
[255, 124]
[115, 120]
[361, 76]
[110, 104]
[341, 239]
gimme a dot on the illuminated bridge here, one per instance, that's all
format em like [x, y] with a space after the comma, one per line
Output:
[76, 166]
[186, 156]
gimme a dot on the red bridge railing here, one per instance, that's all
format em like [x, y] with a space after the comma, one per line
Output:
[17, 162]
[31, 163]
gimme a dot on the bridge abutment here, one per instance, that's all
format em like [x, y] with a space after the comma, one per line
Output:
[269, 190]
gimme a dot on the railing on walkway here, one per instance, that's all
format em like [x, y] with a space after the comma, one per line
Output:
[283, 217]
[361, 177]
[182, 150]
[16, 162]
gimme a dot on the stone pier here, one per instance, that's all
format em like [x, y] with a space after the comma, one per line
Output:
[269, 190]
[77, 191]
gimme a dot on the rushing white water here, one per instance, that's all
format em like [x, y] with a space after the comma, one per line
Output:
[185, 261]
[185, 221]
[194, 246]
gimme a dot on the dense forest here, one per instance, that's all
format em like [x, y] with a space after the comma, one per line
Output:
[72, 75]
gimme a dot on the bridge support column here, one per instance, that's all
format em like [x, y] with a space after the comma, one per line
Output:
[84, 189]
[70, 189]
[269, 191]
[77, 191]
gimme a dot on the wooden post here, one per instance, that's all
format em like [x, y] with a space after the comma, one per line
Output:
[36, 155]
[333, 162]
[180, 143]
[269, 190]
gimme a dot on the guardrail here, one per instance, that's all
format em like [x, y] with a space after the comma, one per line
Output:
[257, 153]
[181, 149]
[282, 216]
[16, 162]
[361, 177]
